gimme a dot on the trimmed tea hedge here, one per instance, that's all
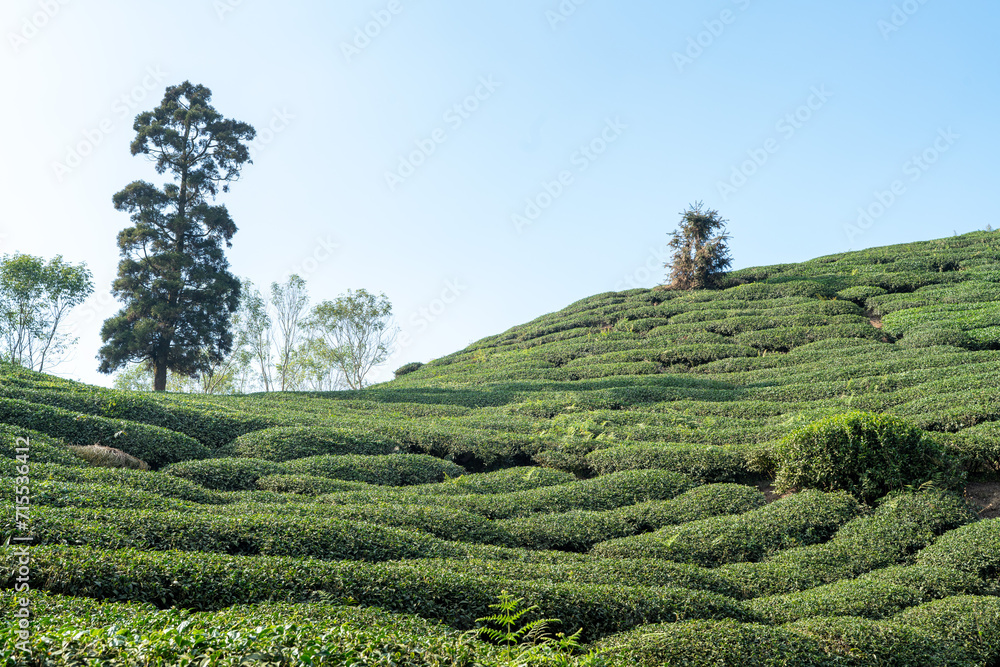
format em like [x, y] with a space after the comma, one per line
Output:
[973, 548]
[155, 445]
[898, 529]
[390, 470]
[202, 581]
[579, 530]
[708, 464]
[226, 474]
[284, 443]
[805, 518]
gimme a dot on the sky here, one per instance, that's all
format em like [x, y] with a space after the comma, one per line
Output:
[483, 164]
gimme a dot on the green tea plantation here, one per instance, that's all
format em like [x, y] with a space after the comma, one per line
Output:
[800, 467]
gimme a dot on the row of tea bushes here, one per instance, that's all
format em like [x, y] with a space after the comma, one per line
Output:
[877, 594]
[204, 581]
[307, 634]
[245, 534]
[952, 632]
[212, 425]
[155, 445]
[804, 518]
[154, 483]
[579, 530]
[236, 474]
[899, 528]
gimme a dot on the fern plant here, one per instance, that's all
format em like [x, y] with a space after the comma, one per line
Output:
[527, 640]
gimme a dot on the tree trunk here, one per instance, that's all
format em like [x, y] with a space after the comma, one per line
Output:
[159, 375]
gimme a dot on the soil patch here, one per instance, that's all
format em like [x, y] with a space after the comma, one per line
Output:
[986, 497]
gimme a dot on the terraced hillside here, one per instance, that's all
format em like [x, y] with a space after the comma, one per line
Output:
[609, 463]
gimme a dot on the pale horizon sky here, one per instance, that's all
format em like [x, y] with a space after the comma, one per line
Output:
[484, 165]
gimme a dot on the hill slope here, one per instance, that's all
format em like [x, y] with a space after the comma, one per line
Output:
[649, 412]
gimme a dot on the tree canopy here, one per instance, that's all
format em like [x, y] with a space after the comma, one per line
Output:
[174, 277]
[700, 249]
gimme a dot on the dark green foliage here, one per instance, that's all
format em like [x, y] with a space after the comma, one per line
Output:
[875, 595]
[42, 448]
[226, 474]
[973, 548]
[243, 534]
[937, 335]
[203, 581]
[700, 250]
[143, 481]
[860, 294]
[510, 480]
[708, 464]
[284, 443]
[603, 493]
[971, 622]
[155, 445]
[805, 518]
[68, 494]
[406, 369]
[127, 634]
[893, 534]
[390, 470]
[711, 643]
[211, 425]
[579, 530]
[307, 485]
[174, 277]
[865, 454]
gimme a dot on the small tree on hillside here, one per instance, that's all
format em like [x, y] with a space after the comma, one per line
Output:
[700, 249]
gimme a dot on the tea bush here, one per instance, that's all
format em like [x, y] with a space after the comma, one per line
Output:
[284, 443]
[389, 470]
[865, 454]
[804, 518]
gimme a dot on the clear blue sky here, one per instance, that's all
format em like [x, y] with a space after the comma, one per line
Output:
[639, 107]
